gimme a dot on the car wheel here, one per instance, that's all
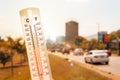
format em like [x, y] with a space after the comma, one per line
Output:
[107, 62]
[91, 61]
[86, 60]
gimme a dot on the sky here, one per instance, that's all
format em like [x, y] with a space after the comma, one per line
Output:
[92, 16]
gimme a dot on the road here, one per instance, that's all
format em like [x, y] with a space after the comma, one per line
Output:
[112, 67]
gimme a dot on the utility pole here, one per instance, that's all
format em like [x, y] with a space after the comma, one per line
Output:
[98, 33]
[98, 26]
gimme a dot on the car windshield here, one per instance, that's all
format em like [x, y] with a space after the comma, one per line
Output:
[99, 52]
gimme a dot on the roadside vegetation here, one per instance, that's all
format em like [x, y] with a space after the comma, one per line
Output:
[113, 43]
[9, 47]
[61, 70]
[13, 58]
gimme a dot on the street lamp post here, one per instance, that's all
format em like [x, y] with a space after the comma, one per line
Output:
[98, 33]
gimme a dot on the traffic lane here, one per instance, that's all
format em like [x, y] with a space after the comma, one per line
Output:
[77, 58]
[112, 67]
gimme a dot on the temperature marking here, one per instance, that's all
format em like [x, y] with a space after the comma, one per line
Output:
[35, 44]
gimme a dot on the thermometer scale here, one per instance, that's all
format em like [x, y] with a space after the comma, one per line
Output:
[35, 44]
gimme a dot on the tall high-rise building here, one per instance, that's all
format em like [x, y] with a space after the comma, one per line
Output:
[71, 30]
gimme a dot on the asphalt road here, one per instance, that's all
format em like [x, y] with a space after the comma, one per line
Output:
[113, 66]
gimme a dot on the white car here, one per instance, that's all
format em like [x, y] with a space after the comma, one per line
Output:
[97, 56]
[78, 51]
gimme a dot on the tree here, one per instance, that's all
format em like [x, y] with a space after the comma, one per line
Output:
[93, 44]
[85, 44]
[101, 45]
[5, 52]
[115, 37]
[79, 40]
[19, 46]
[4, 56]
[76, 42]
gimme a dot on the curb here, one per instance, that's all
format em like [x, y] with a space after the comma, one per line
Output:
[94, 68]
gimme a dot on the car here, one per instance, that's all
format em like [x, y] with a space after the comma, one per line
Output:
[78, 51]
[108, 52]
[97, 56]
[66, 51]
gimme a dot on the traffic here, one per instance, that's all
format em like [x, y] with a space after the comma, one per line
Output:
[105, 62]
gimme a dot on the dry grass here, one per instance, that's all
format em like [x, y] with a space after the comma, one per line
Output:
[61, 70]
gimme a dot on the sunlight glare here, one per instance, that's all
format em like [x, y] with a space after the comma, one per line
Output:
[30, 14]
[53, 37]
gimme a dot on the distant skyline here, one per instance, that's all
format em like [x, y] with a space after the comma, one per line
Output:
[92, 16]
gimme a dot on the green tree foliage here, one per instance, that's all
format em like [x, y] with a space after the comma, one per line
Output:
[118, 33]
[9, 46]
[81, 42]
[101, 45]
[20, 46]
[5, 52]
[5, 56]
[114, 35]
[93, 44]
[77, 41]
[85, 44]
[21, 49]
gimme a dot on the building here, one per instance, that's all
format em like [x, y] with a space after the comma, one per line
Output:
[71, 30]
[60, 39]
[99, 36]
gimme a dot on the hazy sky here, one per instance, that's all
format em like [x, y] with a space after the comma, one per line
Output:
[55, 13]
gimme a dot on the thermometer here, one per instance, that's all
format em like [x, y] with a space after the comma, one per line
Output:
[35, 44]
